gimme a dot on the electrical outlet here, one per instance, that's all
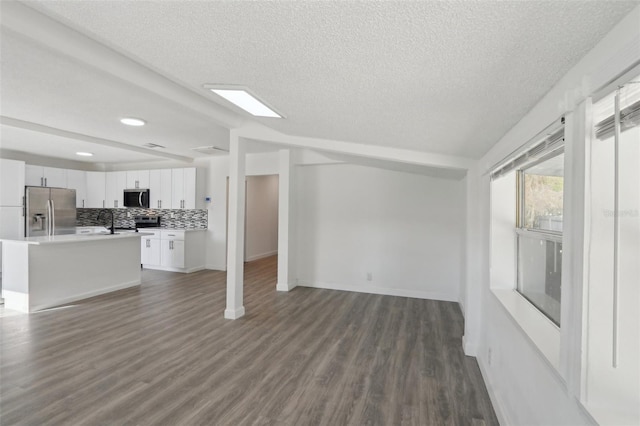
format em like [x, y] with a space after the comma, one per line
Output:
[128, 214]
[172, 215]
[369, 276]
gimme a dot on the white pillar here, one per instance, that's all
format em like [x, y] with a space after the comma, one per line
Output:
[284, 222]
[235, 242]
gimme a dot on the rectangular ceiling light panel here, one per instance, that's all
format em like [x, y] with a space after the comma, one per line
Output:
[247, 102]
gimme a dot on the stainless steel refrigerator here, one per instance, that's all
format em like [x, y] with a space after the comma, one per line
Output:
[49, 211]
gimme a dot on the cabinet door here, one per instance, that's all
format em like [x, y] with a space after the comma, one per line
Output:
[172, 255]
[115, 186]
[55, 178]
[160, 189]
[12, 175]
[77, 179]
[177, 188]
[143, 179]
[154, 189]
[177, 253]
[96, 182]
[132, 179]
[150, 251]
[33, 175]
[189, 188]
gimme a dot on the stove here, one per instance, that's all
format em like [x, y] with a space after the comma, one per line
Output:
[147, 221]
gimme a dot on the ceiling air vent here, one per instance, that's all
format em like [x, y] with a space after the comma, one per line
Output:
[210, 150]
[153, 145]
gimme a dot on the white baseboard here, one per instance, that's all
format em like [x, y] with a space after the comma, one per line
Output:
[285, 286]
[16, 301]
[416, 294]
[261, 256]
[169, 269]
[470, 348]
[216, 267]
[494, 396]
[234, 313]
[20, 301]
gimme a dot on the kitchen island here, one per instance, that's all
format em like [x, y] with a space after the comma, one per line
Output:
[42, 272]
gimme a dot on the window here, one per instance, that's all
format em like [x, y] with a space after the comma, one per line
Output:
[539, 233]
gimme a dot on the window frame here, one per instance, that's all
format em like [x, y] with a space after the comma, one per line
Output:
[543, 234]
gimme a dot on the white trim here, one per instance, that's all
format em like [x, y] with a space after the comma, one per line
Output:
[234, 313]
[470, 347]
[170, 269]
[20, 301]
[494, 396]
[261, 256]
[417, 294]
[16, 300]
[539, 330]
[285, 286]
[212, 267]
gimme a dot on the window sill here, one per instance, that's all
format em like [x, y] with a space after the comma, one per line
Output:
[544, 334]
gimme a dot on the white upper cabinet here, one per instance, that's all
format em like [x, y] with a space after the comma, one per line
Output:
[45, 176]
[77, 179]
[137, 179]
[33, 175]
[116, 183]
[96, 185]
[12, 178]
[183, 194]
[160, 189]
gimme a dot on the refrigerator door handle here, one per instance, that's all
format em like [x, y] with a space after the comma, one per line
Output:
[52, 215]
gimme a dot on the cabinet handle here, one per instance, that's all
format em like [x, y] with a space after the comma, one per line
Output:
[115, 203]
[148, 243]
[137, 185]
[159, 204]
[45, 181]
[103, 204]
[82, 203]
[41, 181]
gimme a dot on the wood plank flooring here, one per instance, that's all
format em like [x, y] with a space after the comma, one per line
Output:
[162, 354]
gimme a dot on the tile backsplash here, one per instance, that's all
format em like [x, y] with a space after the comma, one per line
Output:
[123, 218]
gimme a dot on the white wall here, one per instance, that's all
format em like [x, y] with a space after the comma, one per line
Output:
[261, 232]
[526, 389]
[216, 188]
[406, 230]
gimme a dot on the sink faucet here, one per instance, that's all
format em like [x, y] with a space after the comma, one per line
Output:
[111, 213]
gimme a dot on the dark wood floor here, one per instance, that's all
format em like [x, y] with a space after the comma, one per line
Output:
[162, 354]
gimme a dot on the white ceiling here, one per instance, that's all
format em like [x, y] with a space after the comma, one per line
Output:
[442, 77]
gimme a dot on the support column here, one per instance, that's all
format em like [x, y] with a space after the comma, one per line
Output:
[284, 221]
[235, 243]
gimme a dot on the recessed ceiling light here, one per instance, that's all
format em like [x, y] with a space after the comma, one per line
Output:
[130, 121]
[245, 100]
[84, 154]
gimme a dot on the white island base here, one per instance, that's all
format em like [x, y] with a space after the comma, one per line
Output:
[44, 272]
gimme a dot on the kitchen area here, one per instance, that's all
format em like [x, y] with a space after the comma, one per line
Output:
[71, 234]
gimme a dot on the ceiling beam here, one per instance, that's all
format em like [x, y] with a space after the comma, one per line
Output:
[38, 27]
[35, 127]
[258, 132]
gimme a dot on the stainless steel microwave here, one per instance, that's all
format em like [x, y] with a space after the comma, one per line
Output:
[136, 198]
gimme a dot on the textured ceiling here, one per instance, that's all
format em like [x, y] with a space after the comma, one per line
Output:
[445, 77]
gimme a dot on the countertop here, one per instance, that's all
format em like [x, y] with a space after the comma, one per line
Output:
[172, 229]
[75, 238]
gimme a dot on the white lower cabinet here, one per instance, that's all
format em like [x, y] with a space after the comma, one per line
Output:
[172, 253]
[173, 250]
[150, 249]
